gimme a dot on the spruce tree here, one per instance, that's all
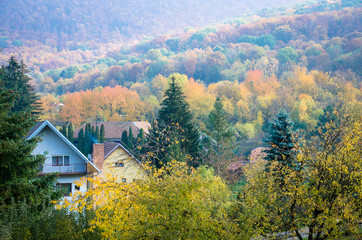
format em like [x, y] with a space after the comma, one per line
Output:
[63, 130]
[124, 138]
[88, 140]
[97, 135]
[130, 142]
[217, 124]
[282, 142]
[14, 78]
[81, 140]
[175, 126]
[102, 134]
[70, 133]
[19, 170]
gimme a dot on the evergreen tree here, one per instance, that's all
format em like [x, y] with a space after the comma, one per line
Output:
[220, 152]
[97, 135]
[282, 142]
[217, 124]
[70, 133]
[174, 126]
[88, 140]
[141, 137]
[130, 142]
[102, 134]
[19, 170]
[81, 140]
[14, 78]
[63, 130]
[124, 138]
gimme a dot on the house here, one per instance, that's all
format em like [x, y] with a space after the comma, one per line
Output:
[116, 162]
[113, 130]
[61, 157]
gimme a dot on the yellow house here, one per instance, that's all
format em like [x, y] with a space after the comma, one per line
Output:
[116, 163]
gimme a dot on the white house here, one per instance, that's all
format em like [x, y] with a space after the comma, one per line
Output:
[61, 157]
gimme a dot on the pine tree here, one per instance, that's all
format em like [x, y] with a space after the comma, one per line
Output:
[282, 142]
[217, 124]
[71, 133]
[81, 140]
[174, 126]
[19, 170]
[102, 134]
[87, 140]
[14, 78]
[63, 130]
[130, 142]
[97, 135]
[124, 138]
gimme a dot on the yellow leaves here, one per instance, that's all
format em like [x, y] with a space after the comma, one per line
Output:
[175, 201]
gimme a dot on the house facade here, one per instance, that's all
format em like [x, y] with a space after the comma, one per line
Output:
[62, 157]
[116, 163]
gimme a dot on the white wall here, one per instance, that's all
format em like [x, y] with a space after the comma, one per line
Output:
[72, 179]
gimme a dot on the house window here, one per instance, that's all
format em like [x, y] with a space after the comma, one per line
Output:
[120, 164]
[124, 180]
[77, 187]
[67, 187]
[60, 160]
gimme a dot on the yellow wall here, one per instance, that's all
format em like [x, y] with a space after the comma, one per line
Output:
[131, 169]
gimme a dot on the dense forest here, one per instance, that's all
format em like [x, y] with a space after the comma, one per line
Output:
[256, 65]
[113, 20]
[255, 121]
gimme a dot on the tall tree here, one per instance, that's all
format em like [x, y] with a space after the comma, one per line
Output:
[63, 130]
[71, 133]
[217, 124]
[281, 141]
[97, 135]
[124, 138]
[81, 140]
[14, 78]
[102, 134]
[175, 126]
[220, 152]
[130, 140]
[19, 170]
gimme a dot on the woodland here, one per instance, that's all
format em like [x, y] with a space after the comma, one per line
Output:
[287, 80]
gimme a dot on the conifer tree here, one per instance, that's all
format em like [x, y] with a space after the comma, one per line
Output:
[102, 134]
[282, 142]
[81, 140]
[217, 124]
[70, 133]
[88, 140]
[130, 140]
[174, 127]
[19, 170]
[124, 138]
[63, 130]
[14, 78]
[97, 135]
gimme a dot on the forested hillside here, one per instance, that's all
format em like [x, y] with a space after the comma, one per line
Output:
[300, 58]
[113, 20]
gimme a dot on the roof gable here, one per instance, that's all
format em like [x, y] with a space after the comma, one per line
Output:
[41, 125]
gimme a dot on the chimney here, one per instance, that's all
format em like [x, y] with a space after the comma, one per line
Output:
[98, 155]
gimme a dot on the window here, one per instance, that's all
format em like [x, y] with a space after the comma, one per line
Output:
[120, 164]
[77, 187]
[124, 180]
[66, 187]
[60, 160]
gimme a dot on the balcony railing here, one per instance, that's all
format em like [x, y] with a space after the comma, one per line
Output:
[72, 168]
